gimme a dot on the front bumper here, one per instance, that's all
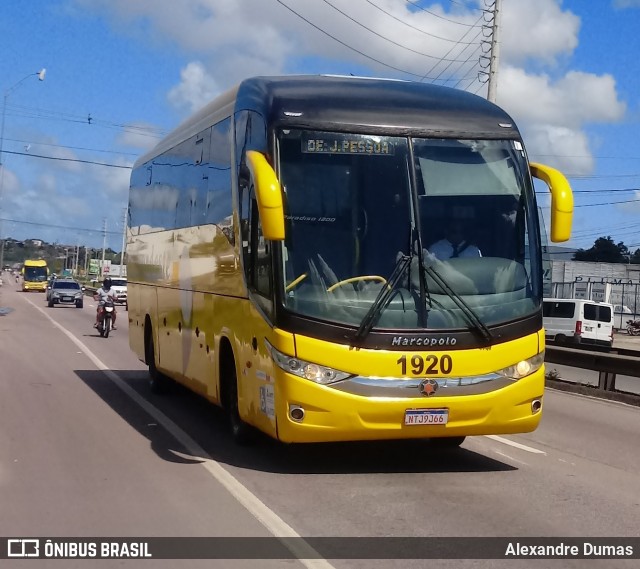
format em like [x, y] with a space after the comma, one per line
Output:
[66, 300]
[334, 415]
[38, 287]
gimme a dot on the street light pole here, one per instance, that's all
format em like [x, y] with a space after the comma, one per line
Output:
[8, 92]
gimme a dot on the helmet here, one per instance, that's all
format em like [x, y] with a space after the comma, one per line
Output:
[106, 283]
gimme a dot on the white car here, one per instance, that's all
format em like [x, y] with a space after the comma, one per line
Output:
[119, 286]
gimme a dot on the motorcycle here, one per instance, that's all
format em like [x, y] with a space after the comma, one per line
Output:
[105, 313]
[633, 327]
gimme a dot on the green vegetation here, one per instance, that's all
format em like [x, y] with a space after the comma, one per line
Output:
[15, 253]
[604, 250]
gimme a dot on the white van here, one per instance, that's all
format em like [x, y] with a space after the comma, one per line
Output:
[571, 320]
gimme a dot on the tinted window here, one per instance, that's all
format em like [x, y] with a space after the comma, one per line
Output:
[559, 309]
[186, 186]
[590, 312]
[218, 201]
[604, 314]
[67, 285]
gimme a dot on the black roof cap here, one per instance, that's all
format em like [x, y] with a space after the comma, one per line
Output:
[358, 104]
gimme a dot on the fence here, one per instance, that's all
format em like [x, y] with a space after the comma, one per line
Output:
[624, 296]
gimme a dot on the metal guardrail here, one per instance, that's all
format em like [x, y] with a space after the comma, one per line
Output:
[606, 364]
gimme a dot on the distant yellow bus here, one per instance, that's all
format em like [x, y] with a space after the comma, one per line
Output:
[35, 274]
[288, 260]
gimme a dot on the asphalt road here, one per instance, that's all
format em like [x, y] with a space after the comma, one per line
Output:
[86, 450]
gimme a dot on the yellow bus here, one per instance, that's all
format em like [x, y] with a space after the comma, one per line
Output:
[34, 275]
[288, 261]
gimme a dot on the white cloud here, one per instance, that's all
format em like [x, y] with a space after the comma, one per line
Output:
[538, 30]
[196, 88]
[570, 101]
[553, 114]
[564, 148]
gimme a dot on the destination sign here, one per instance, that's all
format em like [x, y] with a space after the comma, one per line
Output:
[347, 145]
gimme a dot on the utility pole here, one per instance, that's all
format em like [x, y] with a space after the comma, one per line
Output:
[75, 269]
[104, 247]
[495, 51]
[124, 242]
[86, 261]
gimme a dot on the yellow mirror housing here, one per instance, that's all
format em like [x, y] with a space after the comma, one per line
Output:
[268, 195]
[561, 200]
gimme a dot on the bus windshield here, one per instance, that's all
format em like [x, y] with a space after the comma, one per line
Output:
[462, 210]
[35, 274]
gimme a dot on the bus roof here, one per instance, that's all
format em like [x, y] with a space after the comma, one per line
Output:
[35, 263]
[353, 104]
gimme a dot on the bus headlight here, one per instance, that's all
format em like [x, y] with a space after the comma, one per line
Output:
[523, 368]
[308, 370]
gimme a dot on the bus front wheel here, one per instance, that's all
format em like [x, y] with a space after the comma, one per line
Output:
[241, 432]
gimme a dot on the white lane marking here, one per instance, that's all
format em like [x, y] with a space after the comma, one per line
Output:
[515, 444]
[505, 455]
[267, 517]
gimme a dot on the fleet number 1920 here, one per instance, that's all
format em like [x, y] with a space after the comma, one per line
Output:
[425, 365]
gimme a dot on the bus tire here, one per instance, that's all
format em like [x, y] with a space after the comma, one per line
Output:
[241, 432]
[157, 381]
[447, 442]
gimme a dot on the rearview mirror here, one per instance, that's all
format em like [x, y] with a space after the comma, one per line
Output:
[268, 195]
[561, 200]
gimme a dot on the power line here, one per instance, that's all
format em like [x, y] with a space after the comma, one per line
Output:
[606, 203]
[410, 25]
[71, 147]
[347, 45]
[68, 159]
[52, 226]
[384, 37]
[452, 48]
[442, 17]
[606, 191]
[46, 114]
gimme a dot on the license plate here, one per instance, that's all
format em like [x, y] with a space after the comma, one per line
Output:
[67, 298]
[426, 416]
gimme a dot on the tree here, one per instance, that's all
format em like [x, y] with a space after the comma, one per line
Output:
[604, 250]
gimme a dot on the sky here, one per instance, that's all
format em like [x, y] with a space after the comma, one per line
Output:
[120, 74]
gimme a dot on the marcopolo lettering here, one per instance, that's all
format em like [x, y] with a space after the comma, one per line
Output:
[423, 341]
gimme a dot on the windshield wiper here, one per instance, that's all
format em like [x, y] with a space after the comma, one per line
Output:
[383, 299]
[471, 315]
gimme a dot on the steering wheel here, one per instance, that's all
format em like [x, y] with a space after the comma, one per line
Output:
[356, 279]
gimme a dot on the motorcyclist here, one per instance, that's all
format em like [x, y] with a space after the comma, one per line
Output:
[101, 295]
